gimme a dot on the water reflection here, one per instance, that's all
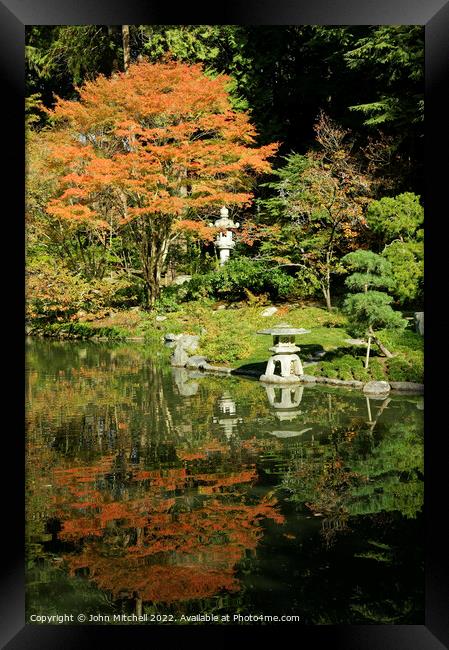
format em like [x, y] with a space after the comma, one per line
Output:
[227, 418]
[150, 486]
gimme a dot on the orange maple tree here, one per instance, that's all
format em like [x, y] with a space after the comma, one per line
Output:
[149, 148]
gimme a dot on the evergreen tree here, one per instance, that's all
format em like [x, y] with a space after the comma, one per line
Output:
[369, 309]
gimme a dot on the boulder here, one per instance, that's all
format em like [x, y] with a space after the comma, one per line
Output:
[185, 343]
[376, 388]
[419, 322]
[410, 386]
[171, 337]
[159, 319]
[189, 342]
[182, 279]
[179, 357]
[269, 311]
[196, 362]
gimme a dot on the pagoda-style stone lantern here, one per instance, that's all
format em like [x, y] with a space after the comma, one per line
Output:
[227, 419]
[285, 354]
[286, 408]
[224, 241]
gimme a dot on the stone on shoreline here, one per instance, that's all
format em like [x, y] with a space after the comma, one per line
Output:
[376, 388]
[269, 311]
[407, 386]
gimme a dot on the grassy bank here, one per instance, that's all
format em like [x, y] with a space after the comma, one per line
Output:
[228, 336]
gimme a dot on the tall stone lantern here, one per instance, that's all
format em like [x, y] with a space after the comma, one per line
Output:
[224, 241]
[284, 355]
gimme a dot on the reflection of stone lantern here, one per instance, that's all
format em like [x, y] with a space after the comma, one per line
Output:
[227, 420]
[286, 408]
[224, 241]
[284, 356]
[290, 398]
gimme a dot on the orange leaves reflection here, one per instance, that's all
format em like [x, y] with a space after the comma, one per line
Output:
[163, 535]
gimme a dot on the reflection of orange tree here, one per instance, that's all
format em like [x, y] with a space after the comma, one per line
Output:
[174, 535]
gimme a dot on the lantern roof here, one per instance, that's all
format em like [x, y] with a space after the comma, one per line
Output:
[284, 329]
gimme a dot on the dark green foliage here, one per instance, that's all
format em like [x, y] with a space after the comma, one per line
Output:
[407, 265]
[395, 217]
[376, 271]
[231, 280]
[400, 369]
[392, 58]
[397, 223]
[349, 366]
[372, 310]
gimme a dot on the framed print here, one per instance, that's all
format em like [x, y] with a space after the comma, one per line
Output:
[223, 431]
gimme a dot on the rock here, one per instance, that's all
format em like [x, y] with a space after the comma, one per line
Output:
[220, 369]
[220, 307]
[356, 342]
[277, 379]
[419, 322]
[196, 362]
[407, 386]
[308, 379]
[159, 319]
[336, 382]
[269, 311]
[172, 337]
[189, 342]
[181, 279]
[185, 343]
[376, 388]
[179, 357]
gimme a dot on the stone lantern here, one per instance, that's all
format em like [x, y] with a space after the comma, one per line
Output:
[224, 241]
[285, 354]
[227, 419]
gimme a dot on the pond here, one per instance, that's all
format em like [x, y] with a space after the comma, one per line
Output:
[153, 492]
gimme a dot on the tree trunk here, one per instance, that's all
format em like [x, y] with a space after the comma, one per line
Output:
[326, 283]
[153, 249]
[367, 352]
[126, 48]
[380, 345]
[327, 296]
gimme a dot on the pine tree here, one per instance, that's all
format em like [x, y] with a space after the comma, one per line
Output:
[370, 309]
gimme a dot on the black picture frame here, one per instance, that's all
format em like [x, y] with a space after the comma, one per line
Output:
[434, 15]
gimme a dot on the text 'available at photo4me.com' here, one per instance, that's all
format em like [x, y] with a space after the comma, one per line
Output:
[105, 619]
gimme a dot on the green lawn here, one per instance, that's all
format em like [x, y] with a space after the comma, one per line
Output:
[229, 337]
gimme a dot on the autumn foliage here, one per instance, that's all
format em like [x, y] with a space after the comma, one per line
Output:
[156, 541]
[147, 150]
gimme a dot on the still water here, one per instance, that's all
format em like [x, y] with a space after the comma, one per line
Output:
[155, 493]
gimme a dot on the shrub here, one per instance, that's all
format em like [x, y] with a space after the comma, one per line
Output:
[401, 369]
[238, 275]
[54, 293]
